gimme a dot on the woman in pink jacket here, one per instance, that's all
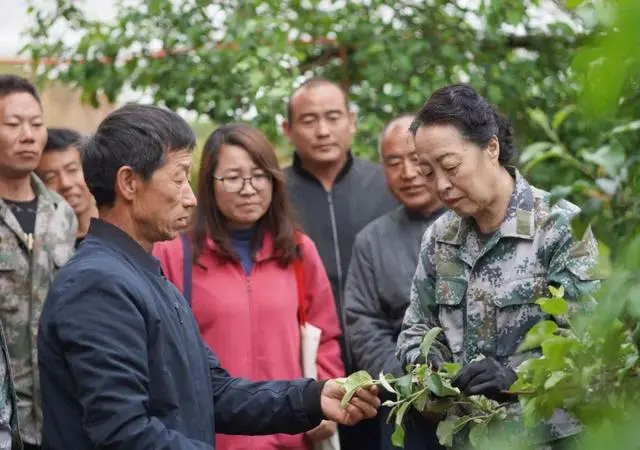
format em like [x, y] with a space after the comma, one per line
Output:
[244, 292]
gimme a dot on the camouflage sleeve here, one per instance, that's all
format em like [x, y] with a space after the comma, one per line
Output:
[5, 404]
[422, 313]
[573, 263]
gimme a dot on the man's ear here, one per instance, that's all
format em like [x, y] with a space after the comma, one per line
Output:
[286, 128]
[127, 183]
[352, 122]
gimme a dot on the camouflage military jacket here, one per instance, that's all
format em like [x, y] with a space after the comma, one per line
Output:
[482, 293]
[26, 272]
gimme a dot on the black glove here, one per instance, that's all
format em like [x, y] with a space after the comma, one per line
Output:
[486, 377]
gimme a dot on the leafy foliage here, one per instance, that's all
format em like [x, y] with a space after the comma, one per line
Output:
[430, 391]
[607, 181]
[233, 59]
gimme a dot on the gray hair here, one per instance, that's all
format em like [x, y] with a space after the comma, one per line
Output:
[391, 124]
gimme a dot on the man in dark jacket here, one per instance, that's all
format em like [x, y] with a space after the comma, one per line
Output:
[384, 260]
[123, 365]
[334, 195]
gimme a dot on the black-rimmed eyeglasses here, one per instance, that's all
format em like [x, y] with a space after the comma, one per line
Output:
[235, 183]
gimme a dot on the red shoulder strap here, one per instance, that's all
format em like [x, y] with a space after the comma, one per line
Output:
[299, 270]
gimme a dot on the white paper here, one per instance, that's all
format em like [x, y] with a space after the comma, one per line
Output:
[309, 342]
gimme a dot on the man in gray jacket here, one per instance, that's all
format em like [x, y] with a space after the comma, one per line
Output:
[383, 262]
[334, 195]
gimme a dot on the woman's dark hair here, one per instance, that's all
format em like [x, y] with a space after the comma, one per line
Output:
[209, 221]
[474, 117]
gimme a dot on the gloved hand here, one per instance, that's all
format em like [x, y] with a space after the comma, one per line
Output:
[486, 377]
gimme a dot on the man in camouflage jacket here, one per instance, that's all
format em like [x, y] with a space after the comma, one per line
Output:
[26, 272]
[37, 236]
[482, 292]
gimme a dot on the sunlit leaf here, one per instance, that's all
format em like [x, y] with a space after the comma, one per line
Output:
[560, 116]
[538, 334]
[555, 306]
[384, 381]
[554, 379]
[427, 341]
[354, 382]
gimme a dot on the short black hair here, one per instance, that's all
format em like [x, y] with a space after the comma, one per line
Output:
[475, 118]
[309, 83]
[61, 139]
[139, 136]
[13, 84]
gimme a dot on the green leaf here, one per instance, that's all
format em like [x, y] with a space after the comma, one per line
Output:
[427, 341]
[534, 150]
[557, 292]
[444, 432]
[478, 434]
[448, 390]
[555, 306]
[554, 379]
[439, 405]
[631, 126]
[556, 349]
[572, 4]
[404, 385]
[402, 410]
[397, 438]
[580, 223]
[560, 116]
[384, 381]
[434, 383]
[354, 382]
[420, 403]
[611, 158]
[540, 332]
[540, 118]
[450, 368]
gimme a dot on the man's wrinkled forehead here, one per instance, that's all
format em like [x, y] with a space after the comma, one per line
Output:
[20, 104]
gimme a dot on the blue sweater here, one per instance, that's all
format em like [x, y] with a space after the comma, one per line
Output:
[241, 243]
[122, 363]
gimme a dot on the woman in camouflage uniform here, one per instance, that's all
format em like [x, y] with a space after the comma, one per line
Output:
[484, 263]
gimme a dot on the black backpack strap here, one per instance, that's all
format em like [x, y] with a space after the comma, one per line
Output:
[186, 269]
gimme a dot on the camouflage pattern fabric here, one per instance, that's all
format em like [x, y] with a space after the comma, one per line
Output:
[482, 292]
[9, 432]
[25, 277]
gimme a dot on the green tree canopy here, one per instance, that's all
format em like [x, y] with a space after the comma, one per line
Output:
[240, 59]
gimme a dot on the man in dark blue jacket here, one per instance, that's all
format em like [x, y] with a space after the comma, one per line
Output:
[122, 363]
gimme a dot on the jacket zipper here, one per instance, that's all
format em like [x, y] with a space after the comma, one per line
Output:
[336, 243]
[336, 248]
[247, 280]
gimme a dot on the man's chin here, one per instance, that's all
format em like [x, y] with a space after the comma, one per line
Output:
[167, 236]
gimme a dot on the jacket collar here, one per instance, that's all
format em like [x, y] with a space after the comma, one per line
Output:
[519, 221]
[47, 204]
[297, 167]
[113, 236]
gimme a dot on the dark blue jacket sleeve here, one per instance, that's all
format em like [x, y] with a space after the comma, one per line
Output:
[103, 333]
[268, 407]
